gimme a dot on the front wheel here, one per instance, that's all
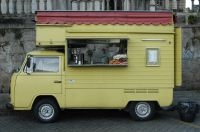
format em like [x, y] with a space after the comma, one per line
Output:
[142, 111]
[46, 110]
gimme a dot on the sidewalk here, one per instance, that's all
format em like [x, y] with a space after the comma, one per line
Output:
[178, 96]
[4, 98]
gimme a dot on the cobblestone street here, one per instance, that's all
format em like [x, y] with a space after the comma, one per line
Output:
[99, 120]
[96, 121]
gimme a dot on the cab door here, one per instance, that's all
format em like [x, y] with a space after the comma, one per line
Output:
[43, 77]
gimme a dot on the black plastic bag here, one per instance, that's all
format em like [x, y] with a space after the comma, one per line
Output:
[187, 110]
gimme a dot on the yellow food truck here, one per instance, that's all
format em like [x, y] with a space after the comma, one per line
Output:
[99, 60]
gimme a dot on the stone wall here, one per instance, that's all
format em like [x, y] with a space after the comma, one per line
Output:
[15, 40]
[191, 57]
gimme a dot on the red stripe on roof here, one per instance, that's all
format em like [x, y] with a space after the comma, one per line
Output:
[72, 17]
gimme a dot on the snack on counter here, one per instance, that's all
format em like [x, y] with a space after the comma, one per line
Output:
[119, 59]
[120, 56]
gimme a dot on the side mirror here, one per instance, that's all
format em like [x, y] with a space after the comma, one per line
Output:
[28, 63]
[15, 70]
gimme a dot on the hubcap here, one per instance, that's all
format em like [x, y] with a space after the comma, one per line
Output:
[142, 109]
[46, 111]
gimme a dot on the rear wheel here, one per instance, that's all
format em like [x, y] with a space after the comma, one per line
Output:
[46, 110]
[142, 111]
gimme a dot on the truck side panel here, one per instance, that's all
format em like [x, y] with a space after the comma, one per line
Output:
[114, 87]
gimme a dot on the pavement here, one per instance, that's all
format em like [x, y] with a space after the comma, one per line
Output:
[99, 120]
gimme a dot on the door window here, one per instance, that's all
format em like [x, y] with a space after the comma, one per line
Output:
[44, 64]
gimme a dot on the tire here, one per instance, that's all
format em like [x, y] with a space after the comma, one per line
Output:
[46, 110]
[142, 111]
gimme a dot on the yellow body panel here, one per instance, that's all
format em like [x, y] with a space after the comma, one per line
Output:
[105, 87]
[108, 86]
[52, 35]
[178, 57]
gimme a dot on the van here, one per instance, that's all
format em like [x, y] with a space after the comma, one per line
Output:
[99, 60]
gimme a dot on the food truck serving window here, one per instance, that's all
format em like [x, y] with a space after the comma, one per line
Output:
[97, 52]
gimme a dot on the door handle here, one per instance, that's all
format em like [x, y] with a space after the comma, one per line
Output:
[56, 81]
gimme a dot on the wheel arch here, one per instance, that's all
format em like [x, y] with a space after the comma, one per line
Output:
[157, 106]
[38, 98]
